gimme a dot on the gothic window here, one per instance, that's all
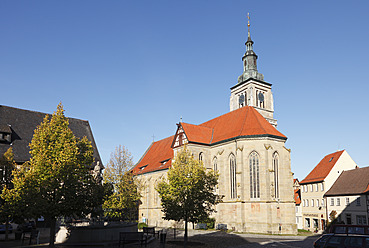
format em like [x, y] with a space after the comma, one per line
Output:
[245, 99]
[215, 164]
[201, 156]
[254, 175]
[276, 174]
[232, 169]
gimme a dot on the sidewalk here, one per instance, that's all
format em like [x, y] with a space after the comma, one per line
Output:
[196, 238]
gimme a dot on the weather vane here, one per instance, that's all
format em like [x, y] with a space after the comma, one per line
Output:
[248, 21]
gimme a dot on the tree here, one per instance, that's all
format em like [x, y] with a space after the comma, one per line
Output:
[188, 192]
[7, 165]
[56, 181]
[125, 195]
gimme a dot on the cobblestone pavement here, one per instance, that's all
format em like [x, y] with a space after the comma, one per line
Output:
[199, 238]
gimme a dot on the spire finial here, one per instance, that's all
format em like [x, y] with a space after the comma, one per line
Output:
[248, 23]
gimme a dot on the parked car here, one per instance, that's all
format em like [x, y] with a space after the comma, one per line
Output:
[319, 243]
[2, 228]
[27, 226]
[347, 241]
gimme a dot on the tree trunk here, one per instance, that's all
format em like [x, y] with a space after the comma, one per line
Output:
[185, 235]
[7, 228]
[52, 231]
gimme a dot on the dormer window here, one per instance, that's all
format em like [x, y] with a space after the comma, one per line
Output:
[5, 134]
[331, 159]
[143, 167]
[164, 162]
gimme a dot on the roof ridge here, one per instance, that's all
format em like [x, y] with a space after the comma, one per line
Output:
[244, 120]
[260, 124]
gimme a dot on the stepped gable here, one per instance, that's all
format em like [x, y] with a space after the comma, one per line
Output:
[157, 157]
[351, 182]
[321, 171]
[22, 123]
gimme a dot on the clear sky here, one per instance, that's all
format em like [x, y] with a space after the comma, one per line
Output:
[133, 68]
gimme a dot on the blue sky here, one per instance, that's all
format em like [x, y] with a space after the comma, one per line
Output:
[133, 68]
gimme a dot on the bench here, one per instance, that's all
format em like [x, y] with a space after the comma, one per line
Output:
[150, 231]
[132, 238]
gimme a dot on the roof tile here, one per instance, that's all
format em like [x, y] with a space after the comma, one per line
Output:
[321, 171]
[351, 182]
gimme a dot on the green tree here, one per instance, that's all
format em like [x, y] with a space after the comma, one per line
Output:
[7, 165]
[122, 203]
[188, 192]
[56, 181]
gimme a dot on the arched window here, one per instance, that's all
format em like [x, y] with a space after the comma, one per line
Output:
[254, 175]
[276, 174]
[215, 164]
[232, 169]
[201, 156]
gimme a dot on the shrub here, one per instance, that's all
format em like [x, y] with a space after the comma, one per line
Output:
[141, 225]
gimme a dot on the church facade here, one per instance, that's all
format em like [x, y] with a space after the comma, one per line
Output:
[246, 149]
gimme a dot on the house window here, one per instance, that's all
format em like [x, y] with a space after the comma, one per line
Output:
[322, 202]
[307, 203]
[303, 203]
[311, 188]
[215, 164]
[360, 220]
[332, 201]
[276, 176]
[312, 202]
[254, 175]
[358, 202]
[302, 189]
[348, 219]
[307, 222]
[338, 202]
[322, 187]
[306, 188]
[232, 167]
[317, 202]
[347, 201]
[316, 187]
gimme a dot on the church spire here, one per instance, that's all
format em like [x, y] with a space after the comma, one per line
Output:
[250, 59]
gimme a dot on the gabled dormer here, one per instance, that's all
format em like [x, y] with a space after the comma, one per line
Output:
[5, 134]
[180, 137]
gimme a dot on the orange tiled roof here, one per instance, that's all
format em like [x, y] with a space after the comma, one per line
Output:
[197, 133]
[321, 171]
[245, 121]
[154, 158]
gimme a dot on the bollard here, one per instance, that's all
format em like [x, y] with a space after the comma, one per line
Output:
[163, 237]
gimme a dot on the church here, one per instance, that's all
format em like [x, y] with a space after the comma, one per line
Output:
[246, 149]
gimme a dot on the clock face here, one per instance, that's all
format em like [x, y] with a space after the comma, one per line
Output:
[261, 97]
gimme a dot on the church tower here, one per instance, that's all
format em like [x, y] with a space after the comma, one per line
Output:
[251, 89]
